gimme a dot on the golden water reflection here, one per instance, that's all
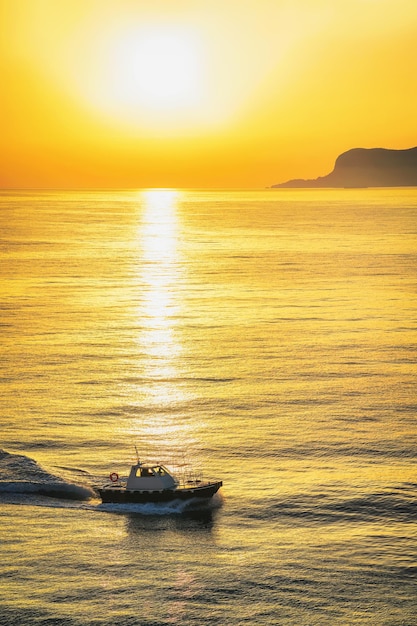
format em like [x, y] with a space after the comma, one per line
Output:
[160, 275]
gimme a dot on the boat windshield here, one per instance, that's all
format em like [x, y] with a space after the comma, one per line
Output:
[146, 471]
[158, 470]
[161, 471]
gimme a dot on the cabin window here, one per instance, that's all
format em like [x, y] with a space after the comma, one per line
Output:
[146, 472]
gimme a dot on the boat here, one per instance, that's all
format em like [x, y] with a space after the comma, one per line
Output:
[153, 482]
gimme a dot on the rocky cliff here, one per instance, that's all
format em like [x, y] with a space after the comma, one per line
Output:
[361, 167]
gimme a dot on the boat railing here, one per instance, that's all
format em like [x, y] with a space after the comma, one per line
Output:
[187, 477]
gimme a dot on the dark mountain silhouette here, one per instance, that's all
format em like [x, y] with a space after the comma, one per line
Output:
[361, 167]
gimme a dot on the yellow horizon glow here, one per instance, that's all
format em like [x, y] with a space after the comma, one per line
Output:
[126, 94]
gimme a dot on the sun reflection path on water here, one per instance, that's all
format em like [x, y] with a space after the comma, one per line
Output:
[160, 275]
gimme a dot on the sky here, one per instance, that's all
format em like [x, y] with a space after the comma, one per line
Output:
[200, 93]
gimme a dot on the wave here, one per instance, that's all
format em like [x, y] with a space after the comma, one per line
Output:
[64, 490]
[396, 505]
[22, 475]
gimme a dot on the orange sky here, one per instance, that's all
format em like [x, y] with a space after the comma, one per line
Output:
[197, 93]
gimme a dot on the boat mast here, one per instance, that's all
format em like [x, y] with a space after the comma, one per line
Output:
[137, 455]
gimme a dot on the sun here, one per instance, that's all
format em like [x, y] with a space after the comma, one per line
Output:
[159, 68]
[151, 71]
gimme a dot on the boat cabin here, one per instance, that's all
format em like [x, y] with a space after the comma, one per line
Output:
[146, 477]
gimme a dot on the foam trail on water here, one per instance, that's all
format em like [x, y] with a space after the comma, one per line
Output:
[22, 475]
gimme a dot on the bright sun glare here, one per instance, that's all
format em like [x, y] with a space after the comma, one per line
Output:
[154, 70]
[159, 78]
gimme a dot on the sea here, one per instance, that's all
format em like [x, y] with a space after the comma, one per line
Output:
[262, 337]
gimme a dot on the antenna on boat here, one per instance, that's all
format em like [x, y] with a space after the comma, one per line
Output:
[137, 455]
